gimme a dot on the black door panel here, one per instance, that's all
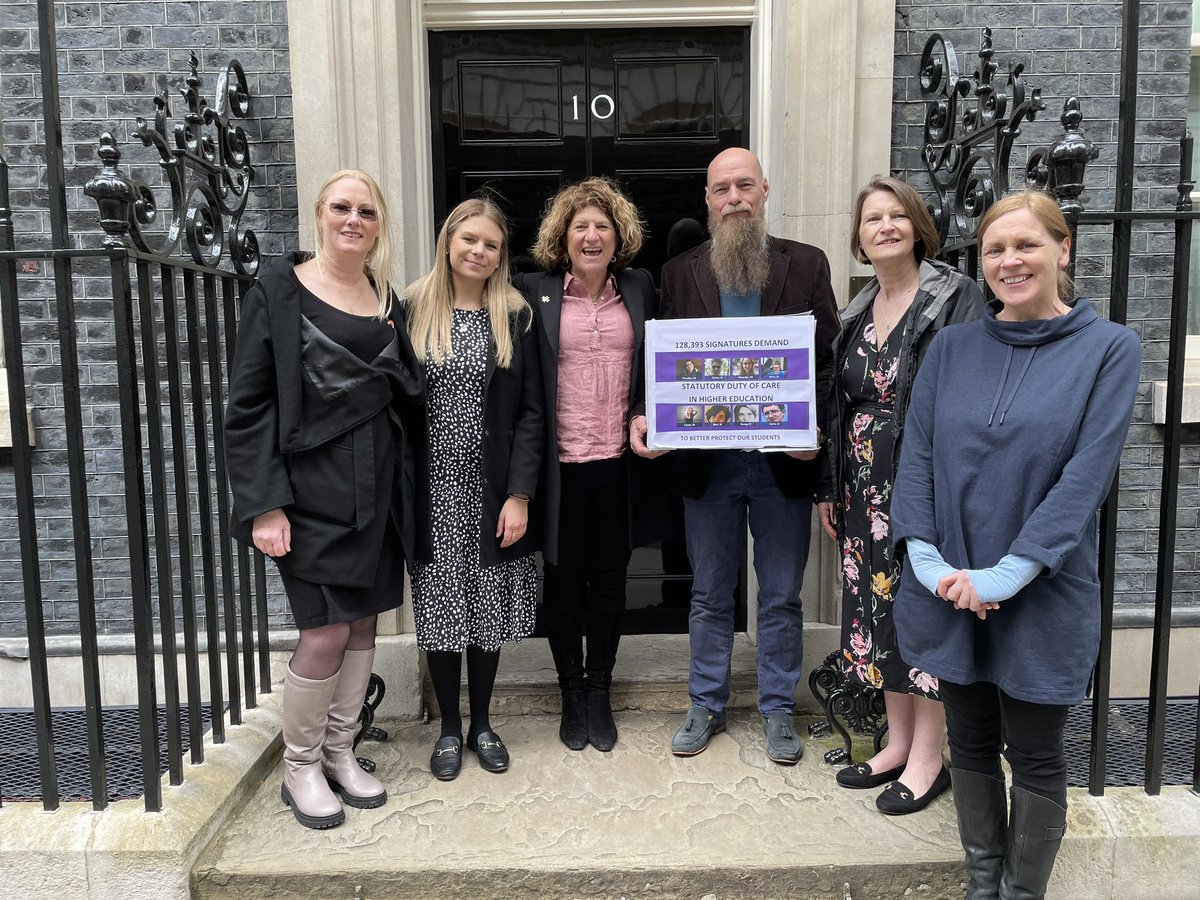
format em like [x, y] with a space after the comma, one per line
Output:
[521, 114]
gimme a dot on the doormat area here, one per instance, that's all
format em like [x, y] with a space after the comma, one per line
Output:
[1127, 723]
[19, 780]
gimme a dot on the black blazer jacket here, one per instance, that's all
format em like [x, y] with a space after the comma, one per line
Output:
[301, 435]
[798, 283]
[544, 291]
[512, 447]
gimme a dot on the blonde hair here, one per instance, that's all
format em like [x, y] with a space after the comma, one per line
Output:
[430, 299]
[550, 249]
[378, 264]
[1045, 208]
[925, 236]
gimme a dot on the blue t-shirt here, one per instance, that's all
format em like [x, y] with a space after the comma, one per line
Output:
[741, 304]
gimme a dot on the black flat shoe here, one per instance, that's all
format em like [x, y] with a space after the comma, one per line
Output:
[493, 755]
[446, 761]
[859, 776]
[898, 800]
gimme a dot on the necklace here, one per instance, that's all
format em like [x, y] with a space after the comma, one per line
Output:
[881, 308]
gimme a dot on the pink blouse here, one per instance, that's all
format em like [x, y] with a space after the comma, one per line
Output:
[595, 355]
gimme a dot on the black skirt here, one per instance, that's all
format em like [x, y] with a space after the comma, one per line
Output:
[314, 605]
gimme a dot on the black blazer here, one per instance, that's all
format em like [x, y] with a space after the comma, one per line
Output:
[798, 283]
[301, 434]
[544, 292]
[512, 447]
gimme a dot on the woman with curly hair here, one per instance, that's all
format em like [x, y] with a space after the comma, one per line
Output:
[475, 579]
[592, 311]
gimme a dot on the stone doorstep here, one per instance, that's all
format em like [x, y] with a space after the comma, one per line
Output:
[638, 822]
[125, 852]
[651, 674]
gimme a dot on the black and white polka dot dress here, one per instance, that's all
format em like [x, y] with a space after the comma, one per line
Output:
[456, 600]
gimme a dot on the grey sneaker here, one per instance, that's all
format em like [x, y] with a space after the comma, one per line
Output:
[693, 735]
[783, 743]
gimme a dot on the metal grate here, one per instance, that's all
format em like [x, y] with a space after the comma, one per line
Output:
[1127, 724]
[19, 762]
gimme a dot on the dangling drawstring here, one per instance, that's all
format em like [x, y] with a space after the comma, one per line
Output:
[1017, 386]
[1000, 386]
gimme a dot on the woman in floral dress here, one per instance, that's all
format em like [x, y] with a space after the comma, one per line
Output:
[886, 329]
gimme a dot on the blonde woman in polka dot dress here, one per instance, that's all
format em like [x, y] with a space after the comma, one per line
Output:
[475, 580]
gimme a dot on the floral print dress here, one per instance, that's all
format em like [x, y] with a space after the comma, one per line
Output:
[870, 573]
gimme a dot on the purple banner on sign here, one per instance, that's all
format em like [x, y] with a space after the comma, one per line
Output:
[713, 417]
[726, 365]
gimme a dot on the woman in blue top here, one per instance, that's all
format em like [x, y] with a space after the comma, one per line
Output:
[1014, 433]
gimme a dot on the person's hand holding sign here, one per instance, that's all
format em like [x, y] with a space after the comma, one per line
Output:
[638, 427]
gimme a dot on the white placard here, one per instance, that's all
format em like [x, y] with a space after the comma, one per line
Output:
[738, 383]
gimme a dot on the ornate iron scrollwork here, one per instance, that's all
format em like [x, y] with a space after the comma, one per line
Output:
[971, 124]
[376, 689]
[861, 706]
[206, 162]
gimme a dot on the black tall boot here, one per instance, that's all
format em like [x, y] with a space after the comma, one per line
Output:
[564, 634]
[979, 800]
[1034, 836]
[604, 636]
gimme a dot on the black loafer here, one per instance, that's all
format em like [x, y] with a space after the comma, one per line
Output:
[898, 800]
[493, 755]
[859, 776]
[446, 761]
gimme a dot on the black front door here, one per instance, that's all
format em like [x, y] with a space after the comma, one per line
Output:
[525, 112]
[522, 113]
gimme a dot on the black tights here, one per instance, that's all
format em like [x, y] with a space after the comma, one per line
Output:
[445, 671]
[982, 720]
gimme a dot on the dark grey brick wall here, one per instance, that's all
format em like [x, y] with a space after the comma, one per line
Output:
[1069, 49]
[109, 54]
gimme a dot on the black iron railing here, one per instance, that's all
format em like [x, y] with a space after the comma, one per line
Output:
[174, 323]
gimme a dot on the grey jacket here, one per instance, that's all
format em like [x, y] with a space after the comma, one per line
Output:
[944, 296]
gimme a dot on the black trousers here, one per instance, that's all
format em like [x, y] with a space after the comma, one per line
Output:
[982, 721]
[588, 582]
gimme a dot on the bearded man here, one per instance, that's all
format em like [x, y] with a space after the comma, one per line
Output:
[743, 271]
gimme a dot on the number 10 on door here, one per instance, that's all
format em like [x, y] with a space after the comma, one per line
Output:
[599, 100]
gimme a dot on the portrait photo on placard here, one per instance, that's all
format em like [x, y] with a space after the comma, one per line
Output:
[774, 413]
[717, 414]
[716, 367]
[774, 367]
[745, 414]
[745, 367]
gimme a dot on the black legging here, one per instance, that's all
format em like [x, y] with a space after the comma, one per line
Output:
[982, 720]
[445, 672]
[589, 580]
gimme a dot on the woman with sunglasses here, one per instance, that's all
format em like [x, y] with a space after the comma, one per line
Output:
[322, 373]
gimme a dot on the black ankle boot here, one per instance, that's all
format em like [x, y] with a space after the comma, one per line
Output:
[601, 729]
[573, 728]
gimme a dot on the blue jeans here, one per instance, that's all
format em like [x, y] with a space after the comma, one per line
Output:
[742, 483]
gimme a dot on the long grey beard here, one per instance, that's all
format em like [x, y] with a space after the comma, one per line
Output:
[739, 254]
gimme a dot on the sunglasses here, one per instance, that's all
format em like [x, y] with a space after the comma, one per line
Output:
[342, 211]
